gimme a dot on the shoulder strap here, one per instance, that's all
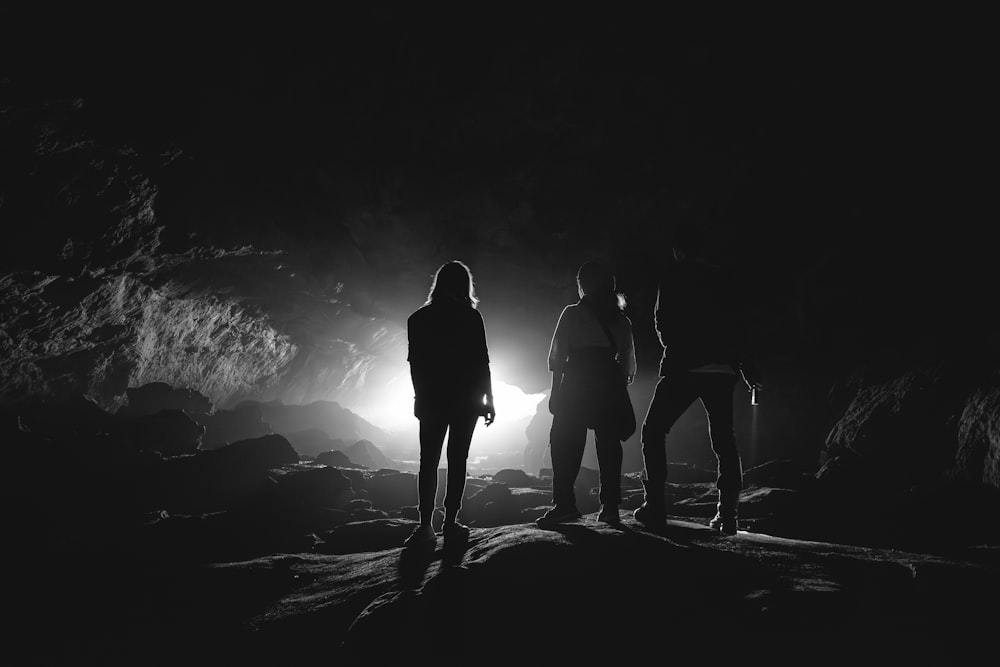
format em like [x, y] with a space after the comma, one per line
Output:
[607, 329]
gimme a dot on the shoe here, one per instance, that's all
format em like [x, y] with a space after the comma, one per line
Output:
[725, 525]
[453, 529]
[650, 516]
[558, 515]
[609, 514]
[421, 535]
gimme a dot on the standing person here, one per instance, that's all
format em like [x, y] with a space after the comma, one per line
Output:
[452, 386]
[698, 321]
[591, 356]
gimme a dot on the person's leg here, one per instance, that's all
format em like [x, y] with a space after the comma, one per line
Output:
[671, 397]
[432, 432]
[609, 459]
[459, 438]
[716, 392]
[568, 438]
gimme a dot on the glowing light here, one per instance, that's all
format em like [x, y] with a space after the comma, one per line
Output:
[391, 408]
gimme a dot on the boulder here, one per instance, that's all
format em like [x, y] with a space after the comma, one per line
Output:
[513, 477]
[314, 441]
[390, 490]
[219, 479]
[301, 486]
[170, 432]
[335, 459]
[365, 453]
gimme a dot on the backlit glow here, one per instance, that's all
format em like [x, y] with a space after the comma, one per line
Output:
[391, 409]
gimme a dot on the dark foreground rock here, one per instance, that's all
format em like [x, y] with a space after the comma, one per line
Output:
[508, 595]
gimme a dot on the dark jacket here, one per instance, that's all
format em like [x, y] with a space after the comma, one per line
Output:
[698, 318]
[449, 358]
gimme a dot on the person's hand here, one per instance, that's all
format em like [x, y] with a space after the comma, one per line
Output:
[552, 403]
[490, 412]
[630, 378]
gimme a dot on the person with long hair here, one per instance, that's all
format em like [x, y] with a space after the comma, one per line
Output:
[590, 356]
[452, 386]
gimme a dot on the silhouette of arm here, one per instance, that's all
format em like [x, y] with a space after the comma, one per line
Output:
[485, 376]
[558, 355]
[420, 367]
[628, 352]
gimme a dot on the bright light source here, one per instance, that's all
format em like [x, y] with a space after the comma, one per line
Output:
[391, 409]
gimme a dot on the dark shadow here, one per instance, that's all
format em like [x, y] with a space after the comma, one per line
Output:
[675, 534]
[672, 531]
[454, 549]
[413, 564]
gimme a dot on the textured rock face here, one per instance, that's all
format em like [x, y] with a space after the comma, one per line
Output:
[124, 333]
[920, 426]
[979, 437]
[93, 303]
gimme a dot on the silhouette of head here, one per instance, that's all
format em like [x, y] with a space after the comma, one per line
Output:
[594, 278]
[453, 282]
[596, 281]
[688, 241]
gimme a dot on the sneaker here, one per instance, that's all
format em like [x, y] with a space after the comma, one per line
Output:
[421, 535]
[454, 529]
[650, 517]
[558, 515]
[609, 514]
[725, 525]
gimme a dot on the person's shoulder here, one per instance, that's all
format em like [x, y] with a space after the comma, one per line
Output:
[570, 310]
[419, 314]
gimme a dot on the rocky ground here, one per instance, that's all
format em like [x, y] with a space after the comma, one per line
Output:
[510, 594]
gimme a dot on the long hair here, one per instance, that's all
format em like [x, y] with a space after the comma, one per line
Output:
[453, 281]
[596, 283]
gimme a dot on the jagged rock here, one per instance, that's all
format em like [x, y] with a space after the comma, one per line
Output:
[336, 459]
[218, 479]
[978, 456]
[366, 454]
[901, 430]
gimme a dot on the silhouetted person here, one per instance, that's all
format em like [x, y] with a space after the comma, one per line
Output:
[452, 386]
[699, 323]
[591, 337]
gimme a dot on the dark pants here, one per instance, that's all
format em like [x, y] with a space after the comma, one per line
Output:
[671, 398]
[432, 432]
[568, 439]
